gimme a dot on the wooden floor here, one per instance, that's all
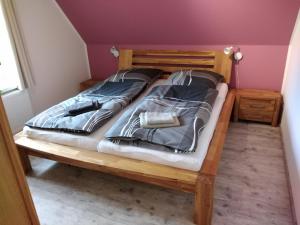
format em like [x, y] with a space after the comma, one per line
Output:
[251, 189]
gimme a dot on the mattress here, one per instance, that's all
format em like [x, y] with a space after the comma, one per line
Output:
[96, 141]
[189, 161]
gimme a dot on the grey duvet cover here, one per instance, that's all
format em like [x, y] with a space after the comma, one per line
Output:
[111, 96]
[192, 105]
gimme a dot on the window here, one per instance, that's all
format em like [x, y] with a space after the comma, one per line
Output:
[9, 71]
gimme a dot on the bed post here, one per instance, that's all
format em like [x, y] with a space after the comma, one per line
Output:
[204, 200]
[24, 157]
[125, 59]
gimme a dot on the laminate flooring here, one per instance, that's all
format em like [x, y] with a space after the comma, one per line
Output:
[251, 189]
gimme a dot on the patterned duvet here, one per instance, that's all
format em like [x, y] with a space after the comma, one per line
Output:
[112, 96]
[192, 105]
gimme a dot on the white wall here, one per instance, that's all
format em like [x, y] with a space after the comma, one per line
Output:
[18, 108]
[291, 116]
[57, 53]
[58, 58]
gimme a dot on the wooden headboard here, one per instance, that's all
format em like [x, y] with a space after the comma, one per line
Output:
[173, 60]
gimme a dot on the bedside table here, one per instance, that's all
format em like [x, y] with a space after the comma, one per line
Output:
[87, 84]
[257, 105]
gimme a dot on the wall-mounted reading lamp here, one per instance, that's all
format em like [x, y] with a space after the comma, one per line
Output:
[114, 51]
[237, 54]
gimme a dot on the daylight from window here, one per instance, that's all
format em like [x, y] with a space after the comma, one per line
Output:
[9, 75]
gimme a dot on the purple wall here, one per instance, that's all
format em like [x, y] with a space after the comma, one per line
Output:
[261, 68]
[262, 28]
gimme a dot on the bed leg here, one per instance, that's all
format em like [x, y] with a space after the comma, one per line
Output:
[204, 200]
[25, 161]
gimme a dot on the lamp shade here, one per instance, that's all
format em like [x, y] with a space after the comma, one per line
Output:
[114, 51]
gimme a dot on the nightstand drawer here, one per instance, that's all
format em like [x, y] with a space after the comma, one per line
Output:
[256, 109]
[257, 104]
[255, 115]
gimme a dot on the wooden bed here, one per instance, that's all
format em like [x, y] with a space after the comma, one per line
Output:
[200, 183]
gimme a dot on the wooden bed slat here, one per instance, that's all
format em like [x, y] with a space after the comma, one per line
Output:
[173, 53]
[170, 69]
[171, 61]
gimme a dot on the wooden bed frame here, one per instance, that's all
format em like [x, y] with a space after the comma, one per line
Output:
[201, 183]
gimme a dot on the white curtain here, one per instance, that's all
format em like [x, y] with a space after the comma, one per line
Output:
[17, 42]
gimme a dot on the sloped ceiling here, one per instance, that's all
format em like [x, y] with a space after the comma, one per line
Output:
[184, 22]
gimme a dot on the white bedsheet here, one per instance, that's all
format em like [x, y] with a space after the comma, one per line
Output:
[95, 141]
[189, 161]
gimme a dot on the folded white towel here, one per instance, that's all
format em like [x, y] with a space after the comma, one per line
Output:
[158, 119]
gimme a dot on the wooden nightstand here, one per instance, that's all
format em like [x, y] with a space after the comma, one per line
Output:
[87, 84]
[257, 105]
